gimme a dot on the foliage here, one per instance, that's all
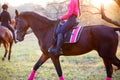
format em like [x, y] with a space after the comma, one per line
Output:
[90, 14]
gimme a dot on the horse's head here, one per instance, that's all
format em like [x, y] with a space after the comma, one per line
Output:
[21, 26]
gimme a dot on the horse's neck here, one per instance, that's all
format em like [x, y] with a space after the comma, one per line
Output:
[44, 35]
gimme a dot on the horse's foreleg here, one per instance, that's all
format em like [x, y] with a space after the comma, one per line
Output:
[109, 69]
[57, 65]
[41, 60]
[6, 50]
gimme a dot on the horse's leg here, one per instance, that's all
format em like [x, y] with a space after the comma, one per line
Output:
[109, 69]
[41, 60]
[108, 53]
[10, 51]
[115, 61]
[56, 62]
[6, 50]
[112, 60]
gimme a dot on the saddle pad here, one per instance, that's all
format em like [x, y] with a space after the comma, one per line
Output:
[73, 35]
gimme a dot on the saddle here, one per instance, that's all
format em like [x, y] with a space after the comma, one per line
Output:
[73, 35]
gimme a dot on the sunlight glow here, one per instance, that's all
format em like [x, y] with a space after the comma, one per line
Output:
[97, 3]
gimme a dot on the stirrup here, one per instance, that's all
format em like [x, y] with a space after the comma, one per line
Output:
[49, 49]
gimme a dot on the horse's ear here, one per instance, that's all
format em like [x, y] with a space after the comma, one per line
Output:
[16, 12]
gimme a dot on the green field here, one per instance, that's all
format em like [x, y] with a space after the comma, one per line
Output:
[26, 53]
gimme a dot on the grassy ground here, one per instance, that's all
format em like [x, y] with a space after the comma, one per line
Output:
[26, 53]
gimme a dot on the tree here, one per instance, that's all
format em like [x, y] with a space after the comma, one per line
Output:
[118, 2]
[108, 19]
[55, 9]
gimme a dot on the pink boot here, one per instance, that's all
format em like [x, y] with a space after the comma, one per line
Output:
[31, 77]
[108, 78]
[61, 78]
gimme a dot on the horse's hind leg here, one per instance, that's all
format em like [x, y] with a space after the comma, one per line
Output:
[56, 62]
[108, 53]
[108, 64]
[41, 60]
[109, 69]
[6, 50]
[10, 51]
[115, 61]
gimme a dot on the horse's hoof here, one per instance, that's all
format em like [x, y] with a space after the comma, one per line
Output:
[3, 59]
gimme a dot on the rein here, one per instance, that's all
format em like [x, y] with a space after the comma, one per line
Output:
[21, 32]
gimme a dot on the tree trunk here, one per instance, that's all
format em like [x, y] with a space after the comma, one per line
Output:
[106, 18]
[118, 2]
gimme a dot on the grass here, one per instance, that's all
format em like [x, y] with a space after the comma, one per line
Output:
[26, 53]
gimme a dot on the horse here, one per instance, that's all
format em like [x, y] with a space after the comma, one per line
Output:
[101, 38]
[7, 39]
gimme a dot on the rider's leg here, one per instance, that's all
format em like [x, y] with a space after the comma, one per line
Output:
[13, 32]
[64, 28]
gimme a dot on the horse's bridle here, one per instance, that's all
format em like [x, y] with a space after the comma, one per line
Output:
[20, 32]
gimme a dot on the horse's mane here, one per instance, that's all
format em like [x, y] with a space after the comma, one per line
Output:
[37, 16]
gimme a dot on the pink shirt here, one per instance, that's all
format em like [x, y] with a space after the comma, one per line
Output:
[72, 9]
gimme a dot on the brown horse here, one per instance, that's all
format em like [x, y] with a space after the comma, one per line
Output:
[101, 38]
[7, 39]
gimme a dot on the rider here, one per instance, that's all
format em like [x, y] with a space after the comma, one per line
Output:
[5, 20]
[72, 13]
